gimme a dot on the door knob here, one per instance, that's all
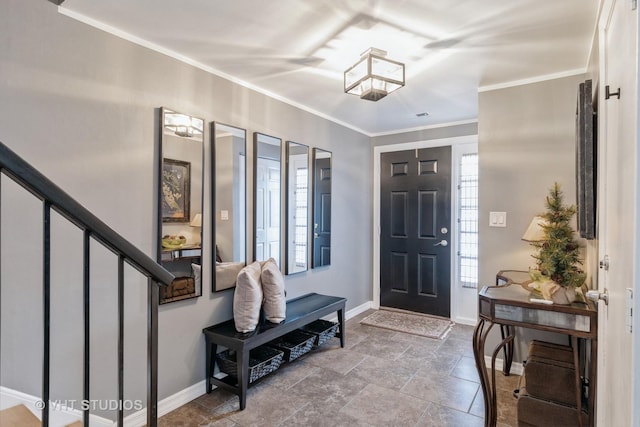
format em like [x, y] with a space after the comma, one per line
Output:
[595, 295]
[442, 243]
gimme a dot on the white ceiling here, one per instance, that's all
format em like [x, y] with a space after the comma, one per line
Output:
[274, 47]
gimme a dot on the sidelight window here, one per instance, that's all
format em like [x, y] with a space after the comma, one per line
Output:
[468, 221]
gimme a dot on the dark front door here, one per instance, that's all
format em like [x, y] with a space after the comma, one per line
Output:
[322, 212]
[415, 230]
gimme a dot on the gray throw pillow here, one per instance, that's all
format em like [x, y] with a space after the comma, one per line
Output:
[275, 304]
[247, 298]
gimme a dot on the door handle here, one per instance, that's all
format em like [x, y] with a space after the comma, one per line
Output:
[442, 243]
[595, 295]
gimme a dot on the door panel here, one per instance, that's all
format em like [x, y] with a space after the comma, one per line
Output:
[617, 226]
[427, 214]
[268, 210]
[399, 272]
[415, 203]
[399, 214]
[322, 212]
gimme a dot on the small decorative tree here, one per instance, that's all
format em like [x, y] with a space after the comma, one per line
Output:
[558, 256]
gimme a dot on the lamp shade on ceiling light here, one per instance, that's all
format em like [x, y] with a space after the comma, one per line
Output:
[535, 232]
[374, 76]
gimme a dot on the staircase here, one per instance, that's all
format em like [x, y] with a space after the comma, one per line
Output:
[93, 229]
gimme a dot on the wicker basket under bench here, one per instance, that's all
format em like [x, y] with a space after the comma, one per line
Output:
[301, 311]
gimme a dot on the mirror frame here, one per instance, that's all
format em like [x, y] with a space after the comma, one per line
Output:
[315, 256]
[256, 135]
[289, 204]
[214, 209]
[186, 254]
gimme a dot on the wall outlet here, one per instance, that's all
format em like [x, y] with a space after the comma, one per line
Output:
[497, 219]
[224, 215]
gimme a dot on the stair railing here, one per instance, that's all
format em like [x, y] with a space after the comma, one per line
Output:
[55, 198]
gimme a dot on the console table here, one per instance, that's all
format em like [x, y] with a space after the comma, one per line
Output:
[300, 312]
[510, 305]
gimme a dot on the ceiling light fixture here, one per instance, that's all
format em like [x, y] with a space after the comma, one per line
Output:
[183, 125]
[374, 76]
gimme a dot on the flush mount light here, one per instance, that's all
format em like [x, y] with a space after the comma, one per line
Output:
[183, 125]
[374, 76]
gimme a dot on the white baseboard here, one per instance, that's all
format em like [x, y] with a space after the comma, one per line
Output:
[516, 368]
[168, 404]
[466, 321]
[353, 312]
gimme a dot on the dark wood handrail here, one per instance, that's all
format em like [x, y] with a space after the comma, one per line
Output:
[36, 183]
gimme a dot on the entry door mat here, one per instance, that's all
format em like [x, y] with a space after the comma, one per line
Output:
[411, 323]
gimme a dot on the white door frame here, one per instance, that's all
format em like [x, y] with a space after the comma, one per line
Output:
[467, 316]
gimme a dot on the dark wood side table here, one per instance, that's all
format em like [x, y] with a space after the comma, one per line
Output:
[510, 305]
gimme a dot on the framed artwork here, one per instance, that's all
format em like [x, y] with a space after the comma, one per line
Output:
[176, 184]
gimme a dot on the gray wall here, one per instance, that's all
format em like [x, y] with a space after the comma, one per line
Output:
[80, 105]
[526, 142]
[427, 134]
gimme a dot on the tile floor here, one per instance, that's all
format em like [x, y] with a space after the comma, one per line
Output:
[380, 378]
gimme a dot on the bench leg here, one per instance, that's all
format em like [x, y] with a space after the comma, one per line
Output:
[341, 322]
[242, 359]
[211, 350]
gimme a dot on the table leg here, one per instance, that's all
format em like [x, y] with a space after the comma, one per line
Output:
[242, 359]
[503, 344]
[211, 351]
[341, 322]
[479, 338]
[578, 384]
[505, 331]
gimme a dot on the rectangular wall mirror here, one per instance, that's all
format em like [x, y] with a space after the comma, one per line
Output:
[229, 199]
[297, 202]
[180, 201]
[267, 197]
[321, 249]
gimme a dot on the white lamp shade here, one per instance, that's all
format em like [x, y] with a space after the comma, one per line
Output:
[196, 221]
[535, 232]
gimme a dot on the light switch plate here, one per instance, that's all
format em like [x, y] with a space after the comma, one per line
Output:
[224, 215]
[497, 219]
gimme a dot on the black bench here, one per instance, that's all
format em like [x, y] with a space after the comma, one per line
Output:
[300, 312]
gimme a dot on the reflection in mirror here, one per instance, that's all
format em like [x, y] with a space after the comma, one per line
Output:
[180, 200]
[321, 254]
[297, 180]
[267, 189]
[229, 160]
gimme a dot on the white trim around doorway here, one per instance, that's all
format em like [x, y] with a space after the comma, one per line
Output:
[463, 310]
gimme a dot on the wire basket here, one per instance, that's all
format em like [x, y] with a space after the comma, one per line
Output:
[262, 361]
[322, 329]
[294, 344]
